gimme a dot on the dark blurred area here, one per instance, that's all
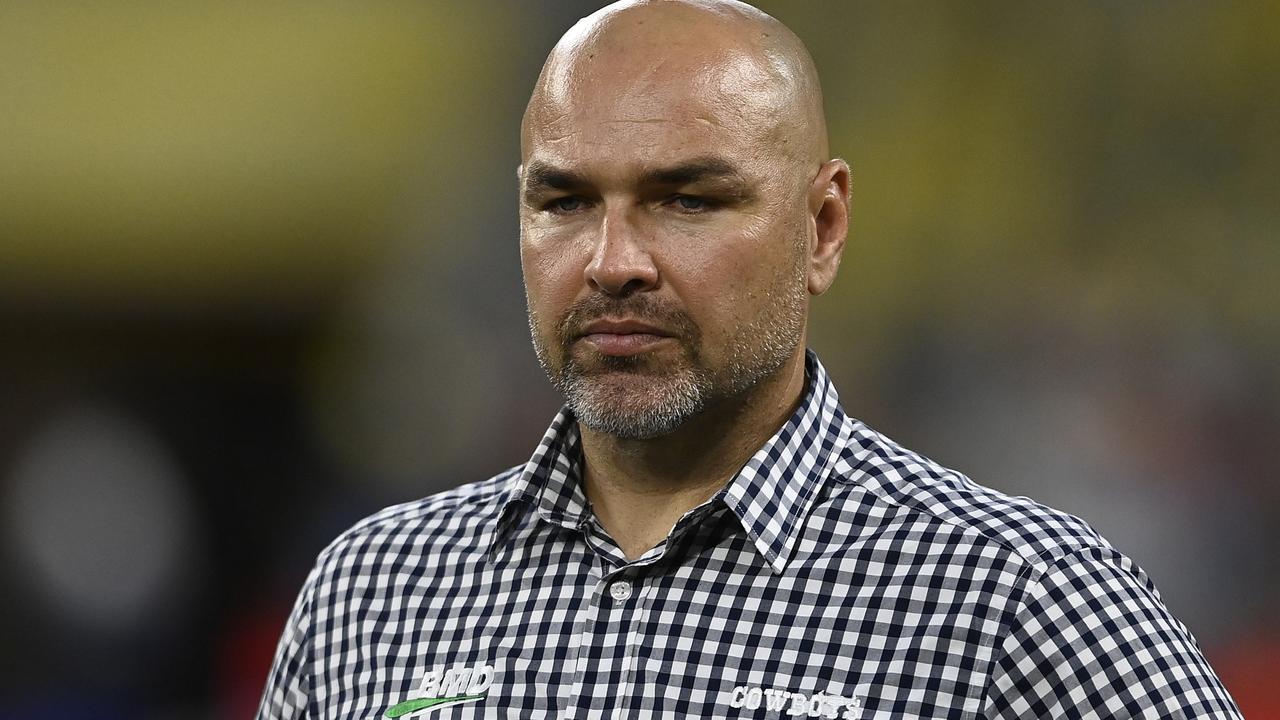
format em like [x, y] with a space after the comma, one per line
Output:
[259, 277]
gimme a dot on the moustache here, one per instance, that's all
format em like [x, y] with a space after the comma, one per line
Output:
[667, 317]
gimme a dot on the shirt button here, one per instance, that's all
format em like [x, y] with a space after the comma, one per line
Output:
[620, 590]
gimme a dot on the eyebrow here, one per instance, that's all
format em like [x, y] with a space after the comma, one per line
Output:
[540, 176]
[708, 167]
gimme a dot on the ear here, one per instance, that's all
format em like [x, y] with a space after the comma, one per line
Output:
[829, 211]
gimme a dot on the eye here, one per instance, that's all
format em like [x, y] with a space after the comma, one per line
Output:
[566, 205]
[690, 204]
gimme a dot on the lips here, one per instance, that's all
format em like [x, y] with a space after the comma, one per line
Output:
[622, 337]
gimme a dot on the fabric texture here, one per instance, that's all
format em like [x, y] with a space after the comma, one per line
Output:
[836, 575]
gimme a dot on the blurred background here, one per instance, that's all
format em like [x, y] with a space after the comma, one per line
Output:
[259, 278]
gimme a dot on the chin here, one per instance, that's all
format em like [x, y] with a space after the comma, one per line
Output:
[636, 406]
[593, 363]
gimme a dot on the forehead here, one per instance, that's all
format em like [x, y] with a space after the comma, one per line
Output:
[626, 114]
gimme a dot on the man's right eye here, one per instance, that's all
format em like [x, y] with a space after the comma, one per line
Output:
[566, 205]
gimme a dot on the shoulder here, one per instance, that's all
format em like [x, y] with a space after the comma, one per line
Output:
[460, 517]
[909, 486]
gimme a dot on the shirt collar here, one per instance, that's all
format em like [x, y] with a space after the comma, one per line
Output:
[771, 495]
[774, 491]
[550, 482]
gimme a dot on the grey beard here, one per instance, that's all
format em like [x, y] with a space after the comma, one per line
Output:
[667, 403]
[644, 404]
[651, 402]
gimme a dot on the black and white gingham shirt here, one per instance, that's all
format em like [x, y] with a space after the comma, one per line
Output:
[836, 575]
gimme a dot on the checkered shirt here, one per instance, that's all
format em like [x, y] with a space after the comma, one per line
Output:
[836, 575]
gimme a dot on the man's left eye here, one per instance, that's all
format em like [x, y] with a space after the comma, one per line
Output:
[690, 204]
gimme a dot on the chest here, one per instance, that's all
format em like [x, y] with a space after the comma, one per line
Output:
[559, 633]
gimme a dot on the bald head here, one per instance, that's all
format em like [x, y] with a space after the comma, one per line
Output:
[641, 53]
[677, 209]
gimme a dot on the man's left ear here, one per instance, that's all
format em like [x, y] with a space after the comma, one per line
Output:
[829, 212]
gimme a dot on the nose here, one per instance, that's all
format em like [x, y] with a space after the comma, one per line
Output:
[621, 265]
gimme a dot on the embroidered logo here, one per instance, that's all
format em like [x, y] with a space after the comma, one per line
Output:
[443, 687]
[823, 705]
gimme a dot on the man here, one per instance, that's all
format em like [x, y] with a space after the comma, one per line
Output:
[703, 532]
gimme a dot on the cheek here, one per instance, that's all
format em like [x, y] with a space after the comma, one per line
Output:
[552, 273]
[721, 280]
[756, 271]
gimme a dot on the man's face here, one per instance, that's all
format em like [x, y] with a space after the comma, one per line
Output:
[663, 240]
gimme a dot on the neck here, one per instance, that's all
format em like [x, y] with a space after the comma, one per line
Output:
[640, 488]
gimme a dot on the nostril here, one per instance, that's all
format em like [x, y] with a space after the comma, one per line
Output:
[621, 264]
[632, 286]
[620, 285]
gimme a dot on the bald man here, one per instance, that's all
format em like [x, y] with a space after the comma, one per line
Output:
[703, 532]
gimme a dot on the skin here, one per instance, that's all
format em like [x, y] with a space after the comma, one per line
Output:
[674, 171]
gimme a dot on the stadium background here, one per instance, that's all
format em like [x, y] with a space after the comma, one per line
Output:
[259, 277]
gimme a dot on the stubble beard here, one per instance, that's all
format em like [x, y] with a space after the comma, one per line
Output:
[642, 397]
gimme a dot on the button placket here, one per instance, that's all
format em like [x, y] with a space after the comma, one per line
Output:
[641, 597]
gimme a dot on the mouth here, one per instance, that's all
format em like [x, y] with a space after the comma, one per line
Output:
[621, 338]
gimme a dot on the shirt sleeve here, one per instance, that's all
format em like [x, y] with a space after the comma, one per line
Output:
[1092, 639]
[288, 692]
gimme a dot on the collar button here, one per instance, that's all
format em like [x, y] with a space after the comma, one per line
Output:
[620, 590]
